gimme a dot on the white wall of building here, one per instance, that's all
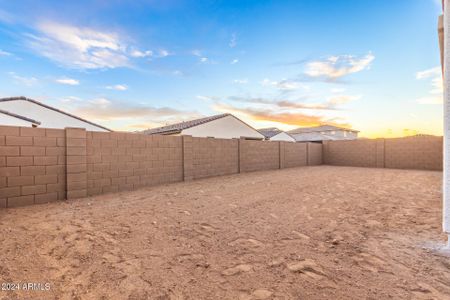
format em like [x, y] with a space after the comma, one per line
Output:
[12, 121]
[226, 128]
[48, 117]
[282, 136]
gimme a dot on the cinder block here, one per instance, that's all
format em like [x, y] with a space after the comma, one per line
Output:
[78, 185]
[3, 182]
[9, 151]
[34, 189]
[20, 180]
[45, 198]
[75, 160]
[3, 203]
[44, 141]
[61, 142]
[32, 131]
[57, 169]
[9, 130]
[20, 201]
[32, 151]
[76, 177]
[9, 192]
[55, 151]
[56, 187]
[78, 168]
[74, 142]
[76, 194]
[76, 151]
[9, 171]
[13, 161]
[45, 160]
[44, 179]
[19, 141]
[32, 170]
[55, 132]
[78, 133]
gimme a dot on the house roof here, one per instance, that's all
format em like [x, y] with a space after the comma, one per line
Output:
[19, 117]
[178, 127]
[319, 129]
[51, 108]
[270, 132]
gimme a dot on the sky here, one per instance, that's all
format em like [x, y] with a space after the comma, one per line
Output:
[131, 65]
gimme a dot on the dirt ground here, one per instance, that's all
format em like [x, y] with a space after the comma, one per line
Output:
[304, 233]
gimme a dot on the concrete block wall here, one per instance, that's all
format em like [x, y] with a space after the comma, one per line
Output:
[32, 165]
[422, 152]
[356, 153]
[418, 152]
[258, 155]
[314, 154]
[295, 154]
[215, 157]
[126, 161]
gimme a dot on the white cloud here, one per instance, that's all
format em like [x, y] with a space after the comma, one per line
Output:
[342, 99]
[164, 53]
[68, 81]
[234, 61]
[4, 53]
[437, 88]
[79, 47]
[284, 84]
[207, 98]
[196, 52]
[233, 41]
[241, 81]
[28, 81]
[433, 72]
[203, 59]
[139, 54]
[335, 67]
[117, 87]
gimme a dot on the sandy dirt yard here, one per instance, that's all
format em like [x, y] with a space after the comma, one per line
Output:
[304, 233]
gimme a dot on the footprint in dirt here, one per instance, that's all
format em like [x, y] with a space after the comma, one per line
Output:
[369, 262]
[206, 229]
[311, 270]
[242, 268]
[426, 291]
[256, 294]
[246, 243]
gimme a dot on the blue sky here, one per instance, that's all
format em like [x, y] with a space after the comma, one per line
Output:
[131, 65]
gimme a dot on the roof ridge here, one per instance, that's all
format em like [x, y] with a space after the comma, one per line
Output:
[52, 108]
[176, 127]
[19, 117]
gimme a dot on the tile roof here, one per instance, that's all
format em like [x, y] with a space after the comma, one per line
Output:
[178, 127]
[51, 108]
[318, 129]
[269, 132]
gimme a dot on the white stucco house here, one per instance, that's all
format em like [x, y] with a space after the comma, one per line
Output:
[323, 133]
[225, 126]
[22, 111]
[275, 134]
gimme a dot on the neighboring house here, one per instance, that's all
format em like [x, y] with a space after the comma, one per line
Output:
[22, 111]
[323, 133]
[10, 119]
[275, 134]
[224, 126]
